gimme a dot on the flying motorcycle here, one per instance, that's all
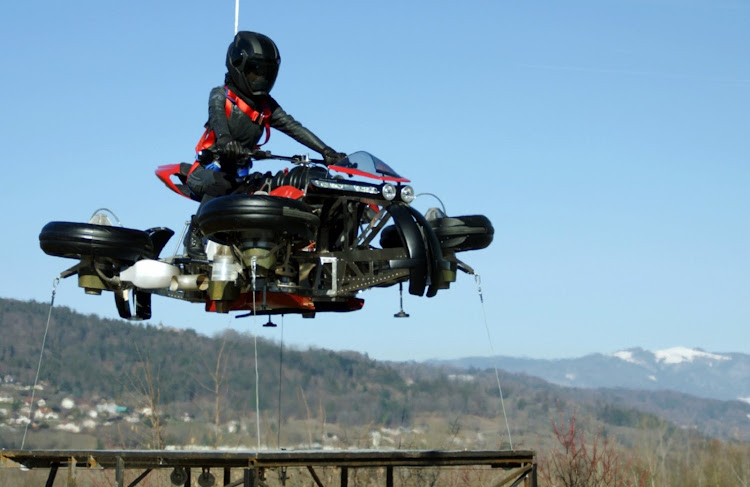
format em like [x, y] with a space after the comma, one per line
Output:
[302, 240]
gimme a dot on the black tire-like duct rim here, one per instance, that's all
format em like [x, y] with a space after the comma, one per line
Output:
[472, 232]
[228, 219]
[459, 234]
[77, 240]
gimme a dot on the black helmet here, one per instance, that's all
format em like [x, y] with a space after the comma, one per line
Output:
[253, 63]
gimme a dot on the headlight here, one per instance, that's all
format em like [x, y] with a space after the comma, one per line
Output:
[407, 194]
[344, 186]
[389, 191]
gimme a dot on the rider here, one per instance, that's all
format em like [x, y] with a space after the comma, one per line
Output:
[239, 114]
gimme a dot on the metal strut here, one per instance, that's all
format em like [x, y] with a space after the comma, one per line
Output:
[253, 270]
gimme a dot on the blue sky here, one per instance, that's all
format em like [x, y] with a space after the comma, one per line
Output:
[606, 140]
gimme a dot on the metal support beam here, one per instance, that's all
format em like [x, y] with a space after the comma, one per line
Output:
[120, 472]
[314, 476]
[139, 478]
[516, 477]
[344, 477]
[250, 474]
[389, 476]
[522, 477]
[52, 474]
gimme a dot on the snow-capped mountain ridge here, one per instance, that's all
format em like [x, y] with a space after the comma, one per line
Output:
[674, 355]
[724, 376]
[627, 356]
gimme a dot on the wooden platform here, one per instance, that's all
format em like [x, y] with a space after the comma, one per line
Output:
[520, 465]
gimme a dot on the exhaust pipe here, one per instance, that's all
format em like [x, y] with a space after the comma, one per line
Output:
[192, 282]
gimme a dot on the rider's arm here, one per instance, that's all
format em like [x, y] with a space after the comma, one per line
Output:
[284, 122]
[217, 115]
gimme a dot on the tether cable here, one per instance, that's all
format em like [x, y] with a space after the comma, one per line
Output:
[41, 355]
[478, 280]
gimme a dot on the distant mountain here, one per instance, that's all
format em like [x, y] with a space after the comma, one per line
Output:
[723, 376]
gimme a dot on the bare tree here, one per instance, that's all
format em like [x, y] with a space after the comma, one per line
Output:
[308, 416]
[144, 384]
[217, 371]
[578, 461]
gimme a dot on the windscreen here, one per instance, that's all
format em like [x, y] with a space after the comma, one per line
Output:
[365, 164]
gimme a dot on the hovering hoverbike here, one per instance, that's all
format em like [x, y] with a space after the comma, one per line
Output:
[302, 241]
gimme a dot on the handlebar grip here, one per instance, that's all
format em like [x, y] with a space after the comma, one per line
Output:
[261, 154]
[207, 156]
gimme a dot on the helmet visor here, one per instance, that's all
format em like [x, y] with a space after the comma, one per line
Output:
[260, 74]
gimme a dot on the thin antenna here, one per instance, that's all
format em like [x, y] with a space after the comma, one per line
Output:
[236, 15]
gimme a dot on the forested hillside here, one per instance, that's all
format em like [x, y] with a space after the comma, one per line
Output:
[212, 379]
[86, 356]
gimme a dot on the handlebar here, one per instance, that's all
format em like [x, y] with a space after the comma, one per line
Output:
[207, 156]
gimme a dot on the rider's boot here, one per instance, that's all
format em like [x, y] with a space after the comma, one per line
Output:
[194, 245]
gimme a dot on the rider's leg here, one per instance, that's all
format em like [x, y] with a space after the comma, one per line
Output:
[207, 184]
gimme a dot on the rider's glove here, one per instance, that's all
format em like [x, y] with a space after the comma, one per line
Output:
[230, 150]
[331, 156]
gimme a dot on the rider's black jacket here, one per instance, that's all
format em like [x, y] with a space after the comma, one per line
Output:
[241, 128]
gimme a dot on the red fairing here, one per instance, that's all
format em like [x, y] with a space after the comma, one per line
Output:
[287, 192]
[270, 301]
[166, 172]
[290, 303]
[357, 172]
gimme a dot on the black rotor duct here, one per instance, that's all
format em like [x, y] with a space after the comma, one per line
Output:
[242, 218]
